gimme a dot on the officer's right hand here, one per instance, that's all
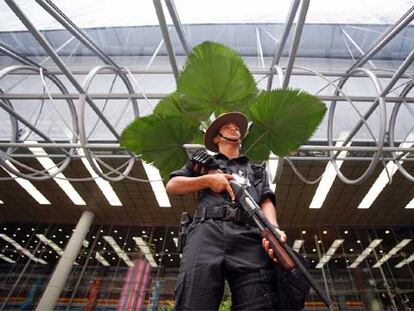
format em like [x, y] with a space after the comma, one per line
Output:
[220, 182]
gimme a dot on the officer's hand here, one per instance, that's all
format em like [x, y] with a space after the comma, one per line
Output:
[220, 182]
[266, 244]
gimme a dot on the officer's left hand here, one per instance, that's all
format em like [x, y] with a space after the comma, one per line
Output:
[266, 244]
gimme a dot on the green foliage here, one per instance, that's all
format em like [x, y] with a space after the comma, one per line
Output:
[169, 106]
[282, 121]
[225, 305]
[215, 79]
[159, 140]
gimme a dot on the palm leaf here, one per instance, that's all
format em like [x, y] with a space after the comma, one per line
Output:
[282, 121]
[169, 106]
[215, 79]
[158, 140]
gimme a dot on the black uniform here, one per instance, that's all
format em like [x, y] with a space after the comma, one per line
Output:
[223, 244]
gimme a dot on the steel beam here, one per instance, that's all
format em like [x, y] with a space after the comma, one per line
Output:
[406, 19]
[126, 156]
[78, 33]
[178, 26]
[116, 146]
[100, 96]
[254, 71]
[166, 36]
[55, 57]
[286, 29]
[397, 75]
[296, 39]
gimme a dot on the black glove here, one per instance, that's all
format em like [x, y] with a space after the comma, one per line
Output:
[201, 162]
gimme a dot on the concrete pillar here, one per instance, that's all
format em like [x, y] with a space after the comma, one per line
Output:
[64, 267]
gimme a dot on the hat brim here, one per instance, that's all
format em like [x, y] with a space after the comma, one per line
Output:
[237, 118]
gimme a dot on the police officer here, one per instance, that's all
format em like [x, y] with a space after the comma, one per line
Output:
[221, 242]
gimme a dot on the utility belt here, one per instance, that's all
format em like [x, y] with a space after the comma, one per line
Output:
[223, 212]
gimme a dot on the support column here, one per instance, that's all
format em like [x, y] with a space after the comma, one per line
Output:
[64, 267]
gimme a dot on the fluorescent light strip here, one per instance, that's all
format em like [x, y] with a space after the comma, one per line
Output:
[392, 252]
[21, 249]
[50, 243]
[5, 258]
[103, 185]
[101, 259]
[53, 245]
[145, 249]
[298, 244]
[365, 253]
[383, 179]
[157, 185]
[1, 202]
[331, 251]
[328, 176]
[50, 166]
[121, 254]
[405, 261]
[28, 186]
[410, 204]
[175, 242]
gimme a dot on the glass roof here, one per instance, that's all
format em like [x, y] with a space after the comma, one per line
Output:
[105, 13]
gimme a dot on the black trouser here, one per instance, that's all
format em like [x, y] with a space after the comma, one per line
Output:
[217, 250]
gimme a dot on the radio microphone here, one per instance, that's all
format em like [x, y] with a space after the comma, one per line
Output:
[228, 139]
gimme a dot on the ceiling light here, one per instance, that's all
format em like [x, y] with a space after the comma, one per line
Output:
[143, 246]
[5, 258]
[410, 204]
[52, 244]
[328, 176]
[120, 252]
[405, 261]
[298, 244]
[59, 178]
[157, 184]
[303, 231]
[28, 186]
[328, 255]
[383, 179]
[392, 252]
[21, 249]
[103, 185]
[101, 259]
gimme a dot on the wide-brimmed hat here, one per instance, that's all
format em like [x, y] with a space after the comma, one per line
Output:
[237, 118]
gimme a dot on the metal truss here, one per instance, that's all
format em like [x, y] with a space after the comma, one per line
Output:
[384, 147]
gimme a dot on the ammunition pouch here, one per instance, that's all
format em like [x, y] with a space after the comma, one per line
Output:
[223, 212]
